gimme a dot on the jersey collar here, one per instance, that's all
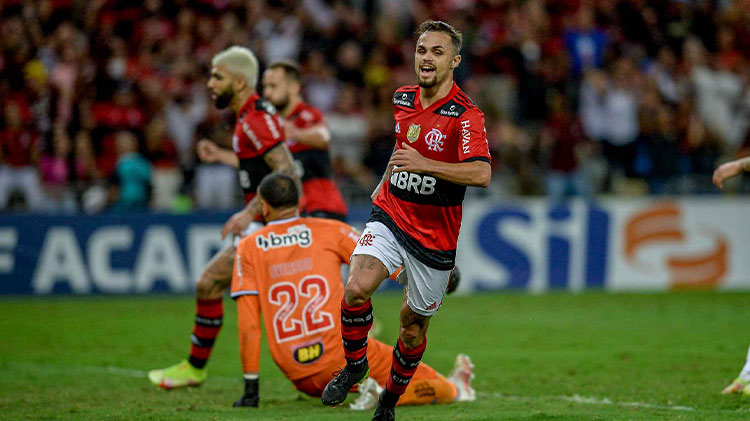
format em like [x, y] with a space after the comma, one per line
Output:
[248, 104]
[297, 109]
[439, 102]
[282, 221]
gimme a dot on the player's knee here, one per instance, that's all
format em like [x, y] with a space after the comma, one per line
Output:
[209, 287]
[355, 294]
[412, 336]
[203, 287]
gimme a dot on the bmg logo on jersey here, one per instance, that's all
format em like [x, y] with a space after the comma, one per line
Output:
[298, 235]
[434, 140]
[419, 184]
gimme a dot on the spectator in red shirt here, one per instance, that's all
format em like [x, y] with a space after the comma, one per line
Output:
[19, 152]
[121, 113]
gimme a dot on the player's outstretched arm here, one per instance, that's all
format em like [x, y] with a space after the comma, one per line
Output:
[211, 153]
[474, 173]
[729, 170]
[316, 136]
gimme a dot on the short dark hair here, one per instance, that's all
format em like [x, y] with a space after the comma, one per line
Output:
[279, 190]
[440, 26]
[290, 67]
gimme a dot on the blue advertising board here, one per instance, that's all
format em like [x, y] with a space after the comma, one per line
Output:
[618, 245]
[110, 253]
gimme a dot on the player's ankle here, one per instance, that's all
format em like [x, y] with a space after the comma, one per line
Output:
[389, 399]
[358, 365]
[196, 364]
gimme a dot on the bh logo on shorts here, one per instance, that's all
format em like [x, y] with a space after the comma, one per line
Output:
[434, 140]
[366, 239]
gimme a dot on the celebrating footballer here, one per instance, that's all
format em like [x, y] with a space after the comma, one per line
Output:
[441, 147]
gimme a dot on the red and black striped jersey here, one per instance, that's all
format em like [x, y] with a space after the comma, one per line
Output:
[320, 192]
[256, 132]
[303, 116]
[423, 211]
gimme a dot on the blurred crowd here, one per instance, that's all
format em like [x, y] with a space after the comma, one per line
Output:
[103, 101]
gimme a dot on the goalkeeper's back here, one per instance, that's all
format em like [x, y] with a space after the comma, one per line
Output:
[293, 267]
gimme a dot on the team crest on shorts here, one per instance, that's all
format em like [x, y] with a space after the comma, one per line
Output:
[413, 133]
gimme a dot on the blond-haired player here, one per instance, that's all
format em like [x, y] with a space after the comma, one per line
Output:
[258, 149]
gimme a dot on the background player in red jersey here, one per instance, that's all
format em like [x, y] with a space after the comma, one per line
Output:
[259, 149]
[441, 147]
[308, 137]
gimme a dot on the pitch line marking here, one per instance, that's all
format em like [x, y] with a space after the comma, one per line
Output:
[121, 371]
[135, 373]
[590, 400]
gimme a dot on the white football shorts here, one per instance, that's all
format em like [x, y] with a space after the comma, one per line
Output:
[425, 286]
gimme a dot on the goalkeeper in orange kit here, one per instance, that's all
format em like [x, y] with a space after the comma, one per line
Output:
[288, 276]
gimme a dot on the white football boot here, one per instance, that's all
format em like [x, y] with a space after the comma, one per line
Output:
[369, 392]
[461, 377]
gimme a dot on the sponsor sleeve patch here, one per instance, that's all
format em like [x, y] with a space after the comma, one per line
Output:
[451, 109]
[404, 99]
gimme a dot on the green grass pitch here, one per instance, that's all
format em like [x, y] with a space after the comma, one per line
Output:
[591, 356]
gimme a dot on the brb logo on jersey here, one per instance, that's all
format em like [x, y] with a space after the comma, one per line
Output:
[434, 140]
[419, 184]
[298, 235]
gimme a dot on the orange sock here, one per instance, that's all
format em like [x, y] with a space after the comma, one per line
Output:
[428, 391]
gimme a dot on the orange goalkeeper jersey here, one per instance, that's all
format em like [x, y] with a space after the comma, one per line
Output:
[293, 266]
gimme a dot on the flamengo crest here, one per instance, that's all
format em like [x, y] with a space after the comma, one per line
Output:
[434, 140]
[413, 133]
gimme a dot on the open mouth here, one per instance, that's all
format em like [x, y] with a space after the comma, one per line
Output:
[426, 70]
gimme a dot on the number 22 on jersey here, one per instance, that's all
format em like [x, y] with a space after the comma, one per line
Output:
[313, 290]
